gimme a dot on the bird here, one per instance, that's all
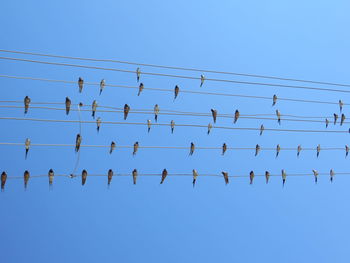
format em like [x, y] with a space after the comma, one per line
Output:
[83, 177]
[3, 180]
[299, 150]
[236, 116]
[342, 119]
[202, 80]
[77, 142]
[335, 118]
[225, 174]
[284, 176]
[176, 91]
[278, 148]
[172, 125]
[98, 123]
[318, 149]
[209, 128]
[164, 175]
[195, 175]
[156, 112]
[267, 176]
[126, 111]
[138, 74]
[274, 100]
[149, 125]
[113, 145]
[102, 85]
[80, 84]
[94, 107]
[257, 149]
[134, 175]
[136, 146]
[26, 177]
[51, 175]
[109, 176]
[327, 122]
[278, 117]
[224, 148]
[341, 104]
[262, 128]
[214, 114]
[251, 177]
[315, 174]
[346, 151]
[68, 104]
[27, 101]
[192, 148]
[140, 89]
[27, 145]
[331, 173]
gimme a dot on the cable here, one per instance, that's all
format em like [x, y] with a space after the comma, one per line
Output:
[178, 68]
[176, 76]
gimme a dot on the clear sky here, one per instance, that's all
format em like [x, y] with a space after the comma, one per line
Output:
[173, 222]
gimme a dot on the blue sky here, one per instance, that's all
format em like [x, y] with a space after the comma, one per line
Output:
[301, 222]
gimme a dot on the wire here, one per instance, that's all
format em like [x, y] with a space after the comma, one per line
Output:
[177, 68]
[176, 76]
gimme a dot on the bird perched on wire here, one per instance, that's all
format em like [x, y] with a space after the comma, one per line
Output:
[209, 128]
[51, 175]
[214, 113]
[236, 116]
[27, 101]
[134, 175]
[68, 104]
[98, 123]
[172, 125]
[26, 177]
[156, 112]
[3, 180]
[113, 145]
[262, 128]
[251, 177]
[138, 74]
[284, 177]
[278, 148]
[299, 150]
[274, 100]
[27, 146]
[278, 117]
[335, 118]
[164, 175]
[202, 80]
[149, 125]
[102, 85]
[331, 174]
[318, 149]
[257, 149]
[80, 84]
[267, 176]
[346, 151]
[342, 119]
[126, 111]
[195, 175]
[176, 91]
[83, 177]
[77, 142]
[93, 108]
[192, 148]
[327, 122]
[224, 148]
[341, 104]
[136, 147]
[225, 174]
[140, 89]
[109, 176]
[315, 175]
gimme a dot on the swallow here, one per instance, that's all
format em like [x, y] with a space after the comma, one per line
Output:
[257, 149]
[176, 91]
[225, 174]
[267, 176]
[83, 177]
[341, 104]
[262, 128]
[80, 104]
[195, 175]
[3, 180]
[224, 148]
[278, 117]
[318, 150]
[109, 176]
[140, 89]
[172, 125]
[27, 101]
[156, 112]
[134, 175]
[342, 119]
[335, 118]
[209, 128]
[113, 145]
[126, 111]
[299, 150]
[136, 146]
[26, 177]
[138, 74]
[68, 104]
[346, 151]
[331, 173]
[80, 84]
[98, 123]
[327, 122]
[251, 177]
[274, 100]
[315, 175]
[278, 148]
[77, 142]
[102, 85]
[236, 116]
[27, 145]
[164, 175]
[214, 113]
[202, 80]
[149, 125]
[284, 176]
[51, 175]
[94, 107]
[192, 148]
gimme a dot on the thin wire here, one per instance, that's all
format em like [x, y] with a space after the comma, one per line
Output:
[176, 76]
[178, 68]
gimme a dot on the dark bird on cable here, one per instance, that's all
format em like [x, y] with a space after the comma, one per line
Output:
[27, 101]
[80, 84]
[164, 175]
[126, 111]
[68, 104]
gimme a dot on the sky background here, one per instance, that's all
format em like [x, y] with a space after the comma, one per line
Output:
[175, 222]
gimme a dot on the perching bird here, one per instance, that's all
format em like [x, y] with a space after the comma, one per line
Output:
[251, 177]
[299, 150]
[202, 80]
[195, 175]
[318, 150]
[341, 104]
[138, 74]
[224, 148]
[140, 89]
[156, 112]
[214, 113]
[94, 107]
[342, 119]
[331, 173]
[126, 111]
[80, 84]
[267, 176]
[225, 174]
[3, 180]
[262, 128]
[134, 175]
[102, 85]
[109, 176]
[278, 148]
[83, 177]
[136, 146]
[192, 148]
[284, 176]
[113, 145]
[236, 116]
[274, 100]
[27, 145]
[26, 177]
[172, 125]
[327, 122]
[51, 175]
[257, 149]
[68, 104]
[98, 123]
[164, 174]
[176, 91]
[335, 118]
[149, 125]
[346, 151]
[27, 101]
[315, 174]
[278, 116]
[77, 142]
[209, 127]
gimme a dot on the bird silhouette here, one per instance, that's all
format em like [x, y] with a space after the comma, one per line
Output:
[156, 112]
[27, 146]
[3, 180]
[140, 89]
[27, 101]
[274, 100]
[26, 177]
[164, 175]
[267, 176]
[224, 148]
[134, 176]
[236, 116]
[102, 85]
[83, 177]
[172, 125]
[113, 145]
[214, 113]
[176, 91]
[68, 104]
[202, 80]
[195, 175]
[251, 177]
[80, 84]
[109, 177]
[192, 148]
[77, 142]
[136, 147]
[225, 174]
[126, 111]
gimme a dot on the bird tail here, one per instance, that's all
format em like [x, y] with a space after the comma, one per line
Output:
[26, 153]
[100, 91]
